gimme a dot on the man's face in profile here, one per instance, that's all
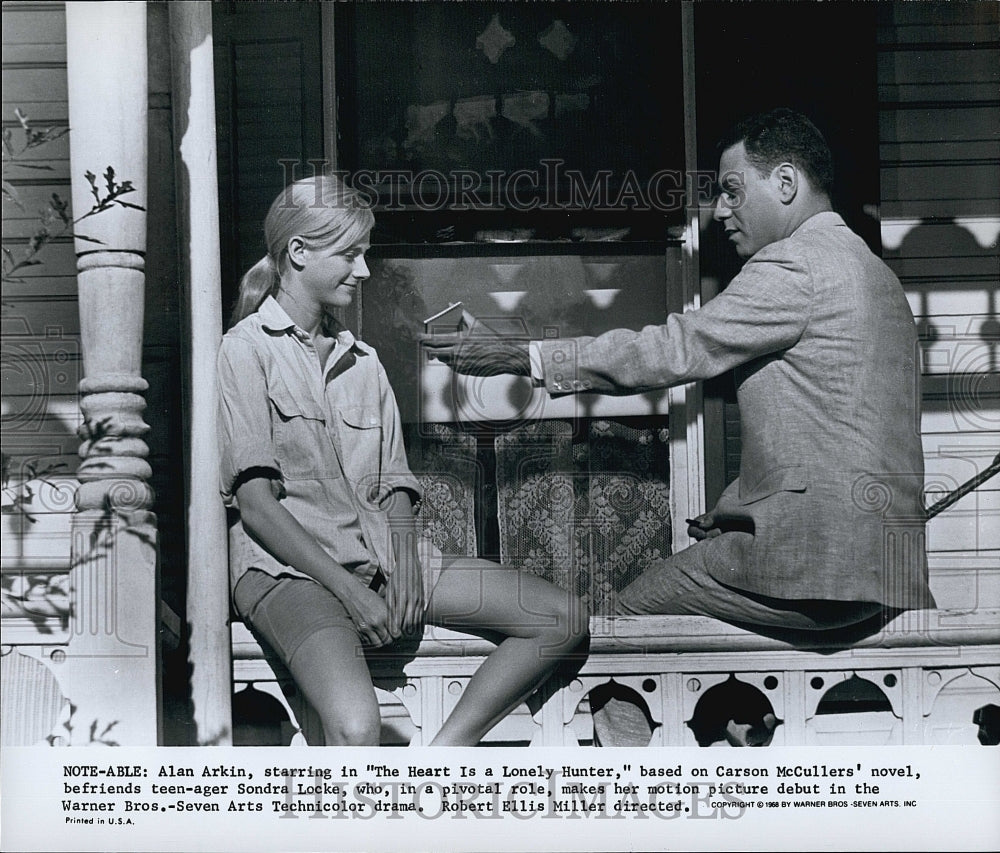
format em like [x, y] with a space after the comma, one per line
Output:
[748, 206]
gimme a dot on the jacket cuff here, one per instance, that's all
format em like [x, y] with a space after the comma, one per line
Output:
[560, 367]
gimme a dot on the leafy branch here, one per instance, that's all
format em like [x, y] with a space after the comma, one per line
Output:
[33, 137]
[19, 495]
[54, 219]
[98, 733]
[113, 197]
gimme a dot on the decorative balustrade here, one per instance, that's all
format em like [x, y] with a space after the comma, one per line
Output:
[922, 679]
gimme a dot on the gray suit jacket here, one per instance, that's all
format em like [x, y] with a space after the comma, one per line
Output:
[825, 354]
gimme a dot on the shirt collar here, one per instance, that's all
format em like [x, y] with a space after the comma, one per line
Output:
[274, 318]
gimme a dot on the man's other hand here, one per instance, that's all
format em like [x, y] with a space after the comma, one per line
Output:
[478, 355]
[703, 526]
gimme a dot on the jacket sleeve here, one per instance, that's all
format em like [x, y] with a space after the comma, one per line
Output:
[765, 309]
[244, 424]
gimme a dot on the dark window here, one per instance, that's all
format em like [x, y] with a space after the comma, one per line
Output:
[542, 120]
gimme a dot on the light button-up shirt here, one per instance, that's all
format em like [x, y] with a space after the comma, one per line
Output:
[331, 436]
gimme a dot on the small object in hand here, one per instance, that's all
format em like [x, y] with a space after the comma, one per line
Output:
[447, 321]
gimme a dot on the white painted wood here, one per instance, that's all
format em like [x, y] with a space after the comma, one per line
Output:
[680, 658]
[687, 423]
[198, 234]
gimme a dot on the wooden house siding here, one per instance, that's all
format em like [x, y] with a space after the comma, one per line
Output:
[41, 334]
[41, 328]
[939, 121]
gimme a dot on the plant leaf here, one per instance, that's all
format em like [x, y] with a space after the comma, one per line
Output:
[88, 239]
[12, 194]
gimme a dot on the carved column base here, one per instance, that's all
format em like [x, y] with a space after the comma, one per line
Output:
[108, 671]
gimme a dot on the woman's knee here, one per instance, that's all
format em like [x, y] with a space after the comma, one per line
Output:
[356, 729]
[569, 626]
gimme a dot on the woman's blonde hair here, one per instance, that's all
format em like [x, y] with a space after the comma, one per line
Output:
[323, 211]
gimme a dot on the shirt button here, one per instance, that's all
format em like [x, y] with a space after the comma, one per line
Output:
[372, 421]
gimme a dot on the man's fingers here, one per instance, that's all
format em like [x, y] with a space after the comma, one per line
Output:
[702, 526]
[436, 342]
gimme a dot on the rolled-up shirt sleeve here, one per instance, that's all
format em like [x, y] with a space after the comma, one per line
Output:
[244, 423]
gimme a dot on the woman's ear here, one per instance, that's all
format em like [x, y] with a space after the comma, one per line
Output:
[296, 249]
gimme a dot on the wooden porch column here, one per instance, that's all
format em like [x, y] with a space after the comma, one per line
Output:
[110, 672]
[193, 99]
[687, 457]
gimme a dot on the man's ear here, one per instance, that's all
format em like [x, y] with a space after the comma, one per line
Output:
[787, 177]
[296, 247]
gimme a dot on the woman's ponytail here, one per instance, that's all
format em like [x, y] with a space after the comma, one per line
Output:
[260, 281]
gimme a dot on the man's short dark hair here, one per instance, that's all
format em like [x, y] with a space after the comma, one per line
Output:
[784, 136]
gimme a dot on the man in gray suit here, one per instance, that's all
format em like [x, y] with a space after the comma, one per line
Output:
[823, 528]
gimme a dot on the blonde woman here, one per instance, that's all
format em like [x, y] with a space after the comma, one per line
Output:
[327, 561]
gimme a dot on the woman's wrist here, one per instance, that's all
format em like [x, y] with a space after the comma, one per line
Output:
[338, 581]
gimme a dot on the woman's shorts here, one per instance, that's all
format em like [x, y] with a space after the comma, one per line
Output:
[287, 610]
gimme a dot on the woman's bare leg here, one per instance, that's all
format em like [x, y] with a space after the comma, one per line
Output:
[330, 670]
[543, 623]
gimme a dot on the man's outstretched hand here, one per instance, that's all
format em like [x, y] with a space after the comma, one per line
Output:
[478, 354]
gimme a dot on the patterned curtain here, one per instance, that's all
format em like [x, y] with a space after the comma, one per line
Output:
[588, 512]
[444, 461]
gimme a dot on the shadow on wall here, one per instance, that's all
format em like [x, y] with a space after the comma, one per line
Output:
[948, 267]
[944, 258]
[41, 370]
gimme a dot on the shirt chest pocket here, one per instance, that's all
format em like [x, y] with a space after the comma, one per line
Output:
[360, 430]
[302, 443]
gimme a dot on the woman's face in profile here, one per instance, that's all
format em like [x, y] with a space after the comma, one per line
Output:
[334, 273]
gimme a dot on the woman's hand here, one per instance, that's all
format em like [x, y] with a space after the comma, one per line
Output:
[404, 594]
[370, 614]
[280, 532]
